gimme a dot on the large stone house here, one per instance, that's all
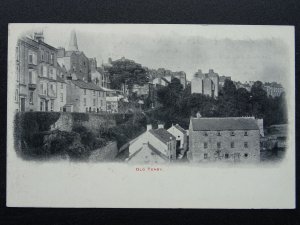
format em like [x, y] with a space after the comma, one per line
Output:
[36, 70]
[153, 146]
[206, 84]
[26, 96]
[226, 139]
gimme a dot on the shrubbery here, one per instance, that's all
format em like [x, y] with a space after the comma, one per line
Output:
[33, 135]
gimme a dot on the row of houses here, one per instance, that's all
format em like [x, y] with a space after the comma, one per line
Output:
[50, 79]
[231, 139]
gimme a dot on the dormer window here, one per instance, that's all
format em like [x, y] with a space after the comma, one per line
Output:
[246, 133]
[205, 133]
[218, 133]
[232, 133]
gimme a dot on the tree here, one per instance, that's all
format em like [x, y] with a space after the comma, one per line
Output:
[127, 71]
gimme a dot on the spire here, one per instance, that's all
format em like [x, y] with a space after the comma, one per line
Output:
[73, 42]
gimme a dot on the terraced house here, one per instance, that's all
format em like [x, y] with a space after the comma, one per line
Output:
[85, 97]
[36, 68]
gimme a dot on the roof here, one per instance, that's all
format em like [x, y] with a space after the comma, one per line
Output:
[227, 123]
[153, 149]
[165, 80]
[180, 128]
[162, 135]
[85, 85]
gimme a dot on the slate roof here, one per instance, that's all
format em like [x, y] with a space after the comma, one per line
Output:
[153, 149]
[162, 135]
[85, 85]
[180, 128]
[158, 152]
[227, 123]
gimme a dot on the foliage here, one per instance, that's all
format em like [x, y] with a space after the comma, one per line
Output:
[126, 71]
[178, 105]
[80, 117]
[127, 131]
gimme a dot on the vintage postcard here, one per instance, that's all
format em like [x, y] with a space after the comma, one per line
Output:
[151, 116]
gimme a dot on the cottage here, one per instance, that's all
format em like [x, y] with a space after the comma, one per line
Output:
[181, 139]
[153, 146]
[227, 139]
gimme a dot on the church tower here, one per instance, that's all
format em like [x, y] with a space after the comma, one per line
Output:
[73, 42]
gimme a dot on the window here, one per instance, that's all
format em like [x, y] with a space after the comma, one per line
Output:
[51, 87]
[93, 92]
[86, 109]
[17, 53]
[246, 133]
[30, 76]
[51, 72]
[61, 86]
[42, 55]
[246, 155]
[31, 97]
[205, 133]
[219, 144]
[42, 74]
[41, 106]
[232, 144]
[219, 133]
[232, 133]
[205, 155]
[245, 144]
[226, 156]
[94, 102]
[61, 97]
[45, 71]
[205, 144]
[84, 91]
[51, 58]
[84, 101]
[30, 58]
[51, 104]
[16, 95]
[47, 57]
[101, 102]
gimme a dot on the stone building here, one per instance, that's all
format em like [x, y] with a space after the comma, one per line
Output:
[168, 75]
[226, 139]
[154, 146]
[36, 65]
[273, 89]
[73, 60]
[222, 80]
[206, 84]
[26, 75]
[85, 97]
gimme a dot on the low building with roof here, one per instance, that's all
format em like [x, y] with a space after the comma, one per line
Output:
[181, 139]
[153, 146]
[227, 139]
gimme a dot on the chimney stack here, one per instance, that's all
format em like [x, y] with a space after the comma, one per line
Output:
[160, 126]
[149, 127]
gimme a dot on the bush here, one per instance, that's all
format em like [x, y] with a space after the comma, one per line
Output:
[80, 117]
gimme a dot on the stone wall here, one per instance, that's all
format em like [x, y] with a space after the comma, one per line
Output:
[93, 122]
[107, 153]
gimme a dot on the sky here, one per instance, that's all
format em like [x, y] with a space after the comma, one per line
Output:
[243, 52]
